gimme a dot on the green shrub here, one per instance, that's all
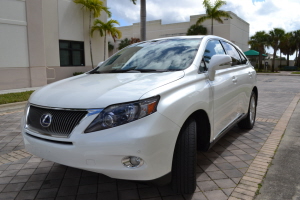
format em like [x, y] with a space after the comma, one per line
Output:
[77, 73]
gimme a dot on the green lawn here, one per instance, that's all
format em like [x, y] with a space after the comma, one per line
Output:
[295, 72]
[15, 97]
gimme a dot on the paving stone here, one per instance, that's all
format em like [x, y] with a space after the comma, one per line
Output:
[107, 195]
[216, 175]
[225, 183]
[148, 193]
[233, 173]
[67, 191]
[207, 185]
[27, 195]
[125, 185]
[216, 194]
[8, 195]
[47, 193]
[195, 196]
[202, 177]
[128, 194]
[35, 185]
[87, 189]
[176, 197]
[86, 197]
[107, 187]
[13, 187]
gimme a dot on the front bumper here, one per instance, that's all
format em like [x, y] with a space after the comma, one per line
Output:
[151, 138]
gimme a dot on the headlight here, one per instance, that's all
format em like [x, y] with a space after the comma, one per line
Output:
[119, 114]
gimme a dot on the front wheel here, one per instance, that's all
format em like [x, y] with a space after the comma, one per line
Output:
[249, 121]
[185, 159]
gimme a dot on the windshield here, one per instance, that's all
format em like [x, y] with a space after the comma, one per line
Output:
[153, 56]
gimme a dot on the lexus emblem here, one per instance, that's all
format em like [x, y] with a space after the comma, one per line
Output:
[46, 120]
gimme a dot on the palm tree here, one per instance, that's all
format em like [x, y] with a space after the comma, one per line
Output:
[196, 30]
[107, 28]
[94, 7]
[143, 19]
[274, 38]
[111, 47]
[287, 45]
[296, 35]
[213, 13]
[259, 41]
[124, 43]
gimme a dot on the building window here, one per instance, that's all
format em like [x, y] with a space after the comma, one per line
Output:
[71, 53]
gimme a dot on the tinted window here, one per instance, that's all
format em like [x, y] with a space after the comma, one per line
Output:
[230, 50]
[166, 55]
[213, 47]
[71, 53]
[243, 58]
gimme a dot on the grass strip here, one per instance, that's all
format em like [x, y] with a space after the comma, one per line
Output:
[15, 97]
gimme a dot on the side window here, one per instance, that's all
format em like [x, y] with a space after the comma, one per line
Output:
[213, 47]
[243, 58]
[202, 67]
[231, 51]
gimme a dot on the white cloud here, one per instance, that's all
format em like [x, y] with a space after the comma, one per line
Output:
[261, 15]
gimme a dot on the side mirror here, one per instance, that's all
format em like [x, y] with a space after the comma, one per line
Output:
[100, 63]
[218, 62]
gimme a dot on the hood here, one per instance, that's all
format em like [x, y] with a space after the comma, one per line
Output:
[100, 90]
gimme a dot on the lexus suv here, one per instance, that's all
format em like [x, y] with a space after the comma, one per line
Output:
[143, 113]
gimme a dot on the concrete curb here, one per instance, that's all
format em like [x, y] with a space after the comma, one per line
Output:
[10, 107]
[247, 187]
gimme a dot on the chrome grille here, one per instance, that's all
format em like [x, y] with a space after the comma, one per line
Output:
[62, 124]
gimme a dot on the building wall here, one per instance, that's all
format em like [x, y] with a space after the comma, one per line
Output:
[70, 23]
[21, 60]
[235, 30]
[30, 33]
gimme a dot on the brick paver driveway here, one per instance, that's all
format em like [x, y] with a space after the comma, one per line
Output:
[23, 176]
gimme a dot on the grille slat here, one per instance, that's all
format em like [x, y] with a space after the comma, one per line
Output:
[63, 121]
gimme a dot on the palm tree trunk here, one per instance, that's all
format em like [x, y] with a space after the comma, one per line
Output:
[104, 45]
[288, 59]
[280, 59]
[90, 40]
[143, 20]
[259, 61]
[296, 60]
[273, 62]
[212, 25]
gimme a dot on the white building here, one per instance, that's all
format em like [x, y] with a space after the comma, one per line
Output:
[236, 30]
[43, 41]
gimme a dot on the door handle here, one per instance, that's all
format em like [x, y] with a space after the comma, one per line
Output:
[234, 79]
[250, 74]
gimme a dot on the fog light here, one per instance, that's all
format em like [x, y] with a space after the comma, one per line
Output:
[132, 161]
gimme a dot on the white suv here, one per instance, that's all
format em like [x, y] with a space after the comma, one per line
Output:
[144, 112]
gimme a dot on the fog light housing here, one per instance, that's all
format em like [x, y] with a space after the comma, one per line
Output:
[132, 161]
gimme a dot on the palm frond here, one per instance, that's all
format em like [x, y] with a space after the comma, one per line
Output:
[133, 1]
[218, 4]
[202, 19]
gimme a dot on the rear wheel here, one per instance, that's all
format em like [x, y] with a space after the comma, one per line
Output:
[249, 121]
[185, 159]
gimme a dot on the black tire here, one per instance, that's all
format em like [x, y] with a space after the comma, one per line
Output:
[185, 159]
[249, 121]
